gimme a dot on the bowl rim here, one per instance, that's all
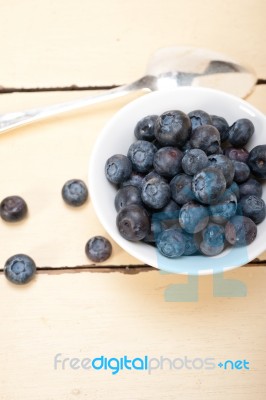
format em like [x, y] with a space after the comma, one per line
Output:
[131, 247]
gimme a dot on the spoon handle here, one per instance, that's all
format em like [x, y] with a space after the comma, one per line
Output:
[15, 119]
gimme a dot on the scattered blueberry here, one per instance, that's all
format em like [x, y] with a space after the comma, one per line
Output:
[253, 207]
[194, 161]
[193, 217]
[240, 231]
[127, 195]
[167, 161]
[181, 188]
[206, 138]
[141, 154]
[257, 161]
[118, 168]
[221, 124]
[98, 249]
[145, 128]
[133, 222]
[242, 171]
[199, 118]
[13, 209]
[208, 185]
[171, 243]
[173, 128]
[240, 132]
[75, 192]
[19, 269]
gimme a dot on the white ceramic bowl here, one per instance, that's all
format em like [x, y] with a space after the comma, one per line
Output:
[118, 135]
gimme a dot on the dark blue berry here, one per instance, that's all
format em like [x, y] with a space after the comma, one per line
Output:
[167, 161]
[250, 187]
[133, 222]
[75, 192]
[20, 269]
[222, 125]
[199, 118]
[118, 168]
[98, 249]
[171, 243]
[171, 208]
[257, 161]
[181, 189]
[194, 161]
[173, 128]
[240, 132]
[191, 245]
[193, 217]
[141, 154]
[240, 231]
[145, 128]
[225, 165]
[214, 235]
[13, 209]
[127, 195]
[242, 171]
[155, 193]
[135, 179]
[225, 209]
[234, 188]
[208, 185]
[209, 250]
[253, 207]
[206, 138]
[237, 154]
[151, 175]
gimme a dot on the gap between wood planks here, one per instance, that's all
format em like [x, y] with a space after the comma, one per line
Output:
[5, 90]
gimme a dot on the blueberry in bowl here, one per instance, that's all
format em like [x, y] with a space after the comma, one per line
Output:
[206, 176]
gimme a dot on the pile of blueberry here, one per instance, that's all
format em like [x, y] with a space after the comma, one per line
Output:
[188, 185]
[20, 268]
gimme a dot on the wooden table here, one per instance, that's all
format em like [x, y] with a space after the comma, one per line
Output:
[56, 51]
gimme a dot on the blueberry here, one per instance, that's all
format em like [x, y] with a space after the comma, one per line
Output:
[234, 188]
[181, 189]
[118, 168]
[206, 138]
[171, 208]
[127, 195]
[225, 209]
[222, 125]
[240, 132]
[237, 154]
[251, 186]
[253, 207]
[225, 165]
[240, 231]
[133, 222]
[191, 245]
[208, 185]
[193, 217]
[209, 250]
[242, 171]
[257, 161]
[173, 128]
[194, 161]
[151, 175]
[155, 229]
[199, 118]
[75, 192]
[98, 249]
[19, 269]
[141, 154]
[145, 128]
[135, 179]
[171, 243]
[155, 193]
[214, 235]
[13, 209]
[167, 161]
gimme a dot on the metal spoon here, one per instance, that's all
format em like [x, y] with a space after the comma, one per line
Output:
[168, 68]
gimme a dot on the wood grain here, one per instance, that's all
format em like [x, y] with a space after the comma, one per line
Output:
[89, 315]
[61, 43]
